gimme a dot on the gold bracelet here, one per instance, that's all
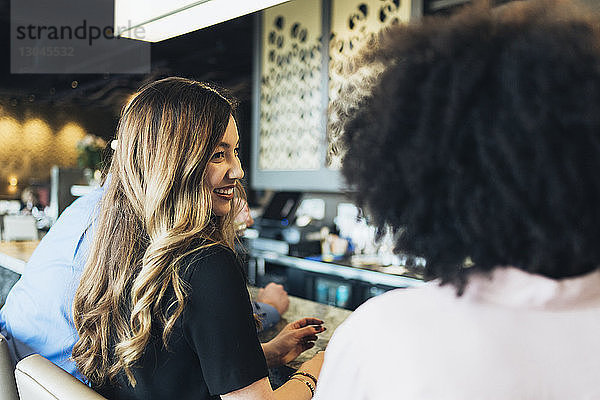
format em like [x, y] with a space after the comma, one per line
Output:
[307, 375]
[307, 383]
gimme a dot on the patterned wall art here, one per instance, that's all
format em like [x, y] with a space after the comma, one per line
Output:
[29, 148]
[354, 24]
[291, 135]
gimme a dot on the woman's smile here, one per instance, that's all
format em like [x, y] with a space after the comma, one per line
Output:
[226, 192]
[224, 170]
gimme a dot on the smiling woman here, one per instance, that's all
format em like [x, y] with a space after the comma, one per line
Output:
[161, 262]
[155, 211]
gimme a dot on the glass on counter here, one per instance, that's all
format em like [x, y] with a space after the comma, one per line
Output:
[333, 293]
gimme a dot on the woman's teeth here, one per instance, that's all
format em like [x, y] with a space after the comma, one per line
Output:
[227, 191]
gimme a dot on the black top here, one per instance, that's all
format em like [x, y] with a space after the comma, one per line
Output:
[213, 348]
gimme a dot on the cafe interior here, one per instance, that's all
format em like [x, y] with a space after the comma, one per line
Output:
[286, 62]
[57, 131]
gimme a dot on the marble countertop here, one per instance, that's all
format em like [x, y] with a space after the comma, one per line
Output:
[300, 308]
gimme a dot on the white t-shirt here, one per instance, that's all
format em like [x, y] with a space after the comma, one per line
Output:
[510, 336]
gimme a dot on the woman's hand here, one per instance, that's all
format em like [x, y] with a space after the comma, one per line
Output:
[295, 338]
[274, 295]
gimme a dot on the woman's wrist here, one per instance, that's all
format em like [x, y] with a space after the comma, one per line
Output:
[305, 382]
[311, 368]
[307, 375]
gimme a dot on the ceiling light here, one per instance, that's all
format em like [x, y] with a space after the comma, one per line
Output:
[153, 20]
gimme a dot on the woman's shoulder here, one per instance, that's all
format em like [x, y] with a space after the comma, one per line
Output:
[208, 252]
[215, 282]
[214, 260]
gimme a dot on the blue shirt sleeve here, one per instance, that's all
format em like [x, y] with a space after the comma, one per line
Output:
[268, 315]
[37, 315]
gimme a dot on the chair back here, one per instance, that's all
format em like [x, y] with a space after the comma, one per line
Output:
[20, 227]
[7, 373]
[40, 379]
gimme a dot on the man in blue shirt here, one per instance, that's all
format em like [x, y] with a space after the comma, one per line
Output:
[37, 316]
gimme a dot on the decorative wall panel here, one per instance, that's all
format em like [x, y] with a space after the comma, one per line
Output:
[29, 148]
[354, 24]
[292, 110]
[304, 63]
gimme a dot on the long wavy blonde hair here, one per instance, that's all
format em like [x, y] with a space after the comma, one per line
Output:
[156, 209]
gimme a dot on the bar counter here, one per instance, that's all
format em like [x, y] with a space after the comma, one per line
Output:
[300, 308]
[14, 256]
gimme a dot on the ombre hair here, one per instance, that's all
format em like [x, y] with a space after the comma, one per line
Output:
[156, 209]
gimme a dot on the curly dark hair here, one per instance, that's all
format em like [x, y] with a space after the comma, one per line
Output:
[481, 140]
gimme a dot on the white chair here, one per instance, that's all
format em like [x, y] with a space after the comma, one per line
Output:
[9, 206]
[40, 379]
[20, 227]
[8, 387]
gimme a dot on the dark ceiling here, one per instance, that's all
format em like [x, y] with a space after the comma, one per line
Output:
[221, 54]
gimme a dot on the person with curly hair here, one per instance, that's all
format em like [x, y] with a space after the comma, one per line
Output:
[479, 145]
